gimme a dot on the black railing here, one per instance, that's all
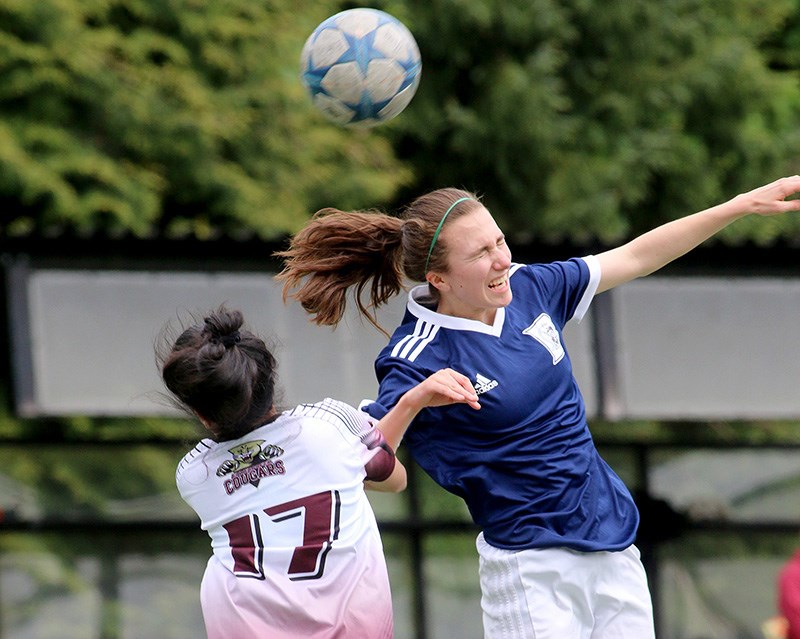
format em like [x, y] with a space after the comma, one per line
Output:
[660, 523]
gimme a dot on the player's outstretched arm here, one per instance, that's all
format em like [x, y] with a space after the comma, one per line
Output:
[657, 248]
[445, 386]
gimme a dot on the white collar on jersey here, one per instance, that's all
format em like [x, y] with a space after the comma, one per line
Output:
[424, 313]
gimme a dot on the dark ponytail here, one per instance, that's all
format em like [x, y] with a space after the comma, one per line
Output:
[223, 374]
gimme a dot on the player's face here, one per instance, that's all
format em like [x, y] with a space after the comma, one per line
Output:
[478, 258]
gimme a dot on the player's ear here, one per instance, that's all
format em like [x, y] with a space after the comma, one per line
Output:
[437, 281]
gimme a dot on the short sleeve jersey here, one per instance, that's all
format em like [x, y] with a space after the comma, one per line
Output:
[291, 524]
[525, 463]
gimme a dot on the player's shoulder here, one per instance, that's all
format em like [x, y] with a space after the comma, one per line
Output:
[531, 269]
[203, 447]
[195, 456]
[334, 412]
[542, 273]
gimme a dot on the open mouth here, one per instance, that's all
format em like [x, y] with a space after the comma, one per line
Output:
[499, 282]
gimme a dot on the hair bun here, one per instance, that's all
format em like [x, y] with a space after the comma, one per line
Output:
[223, 328]
[230, 339]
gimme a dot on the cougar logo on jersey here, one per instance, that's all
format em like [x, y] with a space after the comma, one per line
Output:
[248, 454]
[252, 461]
[483, 384]
[544, 331]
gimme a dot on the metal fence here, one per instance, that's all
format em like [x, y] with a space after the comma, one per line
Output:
[717, 522]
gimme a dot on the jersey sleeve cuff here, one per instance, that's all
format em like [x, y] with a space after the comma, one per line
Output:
[591, 287]
[373, 409]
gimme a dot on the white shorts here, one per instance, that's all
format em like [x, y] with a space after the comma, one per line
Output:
[557, 593]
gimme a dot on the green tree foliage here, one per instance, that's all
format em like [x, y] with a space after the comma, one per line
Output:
[171, 117]
[782, 47]
[577, 119]
[597, 120]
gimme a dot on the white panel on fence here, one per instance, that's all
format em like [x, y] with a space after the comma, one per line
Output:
[93, 334]
[709, 348]
[683, 348]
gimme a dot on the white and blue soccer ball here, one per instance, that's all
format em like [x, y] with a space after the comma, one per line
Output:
[361, 66]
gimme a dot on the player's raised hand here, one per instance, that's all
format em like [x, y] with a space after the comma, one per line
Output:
[770, 199]
[445, 386]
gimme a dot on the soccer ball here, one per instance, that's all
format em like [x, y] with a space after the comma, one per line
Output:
[361, 66]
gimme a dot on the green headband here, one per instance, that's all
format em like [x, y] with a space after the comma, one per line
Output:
[439, 228]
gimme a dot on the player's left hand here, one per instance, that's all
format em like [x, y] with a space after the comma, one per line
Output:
[444, 387]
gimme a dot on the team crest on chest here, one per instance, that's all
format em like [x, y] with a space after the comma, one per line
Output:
[252, 461]
[544, 331]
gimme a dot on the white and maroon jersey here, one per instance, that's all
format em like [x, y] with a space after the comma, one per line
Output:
[296, 549]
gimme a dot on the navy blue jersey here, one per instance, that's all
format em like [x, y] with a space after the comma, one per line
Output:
[525, 463]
